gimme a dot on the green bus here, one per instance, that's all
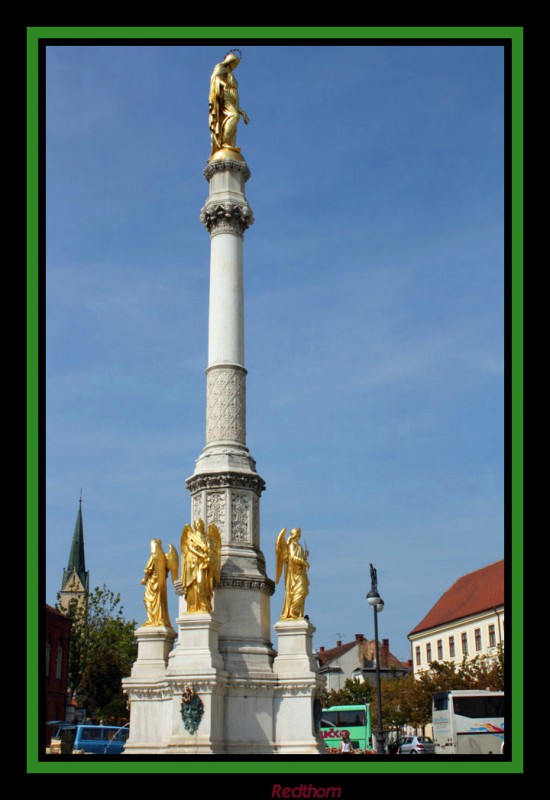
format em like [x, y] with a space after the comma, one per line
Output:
[353, 720]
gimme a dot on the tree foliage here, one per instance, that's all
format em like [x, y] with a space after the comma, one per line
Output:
[353, 693]
[416, 694]
[408, 701]
[102, 650]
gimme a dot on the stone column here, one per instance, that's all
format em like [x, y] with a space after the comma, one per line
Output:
[226, 216]
[225, 487]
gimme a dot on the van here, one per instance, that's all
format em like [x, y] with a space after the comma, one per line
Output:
[97, 739]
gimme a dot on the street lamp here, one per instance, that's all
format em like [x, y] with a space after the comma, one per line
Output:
[374, 600]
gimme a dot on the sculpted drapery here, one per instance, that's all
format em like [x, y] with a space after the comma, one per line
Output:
[292, 557]
[156, 571]
[200, 565]
[223, 105]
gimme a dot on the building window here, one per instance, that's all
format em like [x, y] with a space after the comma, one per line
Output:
[477, 636]
[59, 662]
[492, 636]
[48, 654]
[452, 647]
[464, 641]
[428, 653]
[418, 659]
[440, 649]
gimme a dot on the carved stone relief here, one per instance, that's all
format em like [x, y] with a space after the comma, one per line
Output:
[197, 506]
[222, 480]
[228, 217]
[215, 511]
[225, 405]
[240, 506]
[255, 521]
[225, 166]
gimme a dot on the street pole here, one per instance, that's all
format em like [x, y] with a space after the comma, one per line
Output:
[374, 600]
[380, 748]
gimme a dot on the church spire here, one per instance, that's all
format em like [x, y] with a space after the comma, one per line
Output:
[75, 578]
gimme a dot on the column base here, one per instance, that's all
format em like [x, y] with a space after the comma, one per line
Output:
[154, 646]
[196, 652]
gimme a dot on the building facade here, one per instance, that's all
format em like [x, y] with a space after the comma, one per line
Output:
[466, 622]
[357, 659]
[58, 630]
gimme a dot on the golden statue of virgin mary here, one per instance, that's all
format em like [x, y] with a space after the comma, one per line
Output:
[223, 108]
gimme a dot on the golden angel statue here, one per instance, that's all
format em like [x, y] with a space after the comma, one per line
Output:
[200, 565]
[156, 572]
[223, 104]
[290, 554]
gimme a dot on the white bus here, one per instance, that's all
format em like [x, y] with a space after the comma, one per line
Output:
[468, 722]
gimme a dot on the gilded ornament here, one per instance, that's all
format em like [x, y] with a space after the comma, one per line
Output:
[200, 565]
[293, 557]
[224, 110]
[156, 572]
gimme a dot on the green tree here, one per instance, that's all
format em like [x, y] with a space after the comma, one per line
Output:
[102, 650]
[395, 709]
[479, 673]
[488, 673]
[352, 693]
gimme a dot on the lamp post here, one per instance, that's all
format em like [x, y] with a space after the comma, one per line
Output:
[374, 600]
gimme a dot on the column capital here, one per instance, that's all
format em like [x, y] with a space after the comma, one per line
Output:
[226, 217]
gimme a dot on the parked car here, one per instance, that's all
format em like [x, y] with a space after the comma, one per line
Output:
[415, 745]
[96, 739]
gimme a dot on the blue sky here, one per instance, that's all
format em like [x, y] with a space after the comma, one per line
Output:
[374, 308]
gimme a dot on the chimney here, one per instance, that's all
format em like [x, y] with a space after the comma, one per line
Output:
[384, 655]
[321, 649]
[339, 643]
[359, 637]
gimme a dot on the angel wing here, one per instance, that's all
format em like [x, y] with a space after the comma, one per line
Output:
[281, 549]
[172, 562]
[186, 533]
[215, 542]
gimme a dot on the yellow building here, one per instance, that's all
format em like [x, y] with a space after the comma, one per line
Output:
[467, 621]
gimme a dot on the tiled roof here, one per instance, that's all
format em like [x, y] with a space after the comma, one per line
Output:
[478, 591]
[53, 610]
[387, 659]
[334, 652]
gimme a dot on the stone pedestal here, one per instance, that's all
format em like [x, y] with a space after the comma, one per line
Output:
[298, 687]
[295, 647]
[196, 661]
[209, 737]
[148, 693]
[154, 646]
[196, 653]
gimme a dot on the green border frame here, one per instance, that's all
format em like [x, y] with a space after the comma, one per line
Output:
[515, 36]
